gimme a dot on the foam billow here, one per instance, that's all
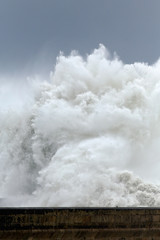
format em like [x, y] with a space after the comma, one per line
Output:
[90, 136]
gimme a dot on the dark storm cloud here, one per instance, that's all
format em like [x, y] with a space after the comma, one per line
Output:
[36, 30]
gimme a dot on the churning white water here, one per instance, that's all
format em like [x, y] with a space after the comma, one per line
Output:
[88, 137]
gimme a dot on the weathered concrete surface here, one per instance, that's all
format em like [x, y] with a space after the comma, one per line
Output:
[80, 223]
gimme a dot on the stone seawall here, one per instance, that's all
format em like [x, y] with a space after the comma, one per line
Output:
[80, 223]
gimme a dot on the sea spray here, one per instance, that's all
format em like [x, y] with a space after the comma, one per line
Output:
[88, 137]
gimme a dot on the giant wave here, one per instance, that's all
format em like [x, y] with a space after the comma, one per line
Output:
[88, 137]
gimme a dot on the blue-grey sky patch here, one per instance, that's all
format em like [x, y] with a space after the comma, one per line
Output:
[33, 32]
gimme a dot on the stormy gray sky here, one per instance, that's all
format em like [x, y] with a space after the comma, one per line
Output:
[33, 32]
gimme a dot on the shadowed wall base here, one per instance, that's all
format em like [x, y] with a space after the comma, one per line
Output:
[80, 223]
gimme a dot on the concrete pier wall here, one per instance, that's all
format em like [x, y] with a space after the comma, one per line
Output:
[80, 223]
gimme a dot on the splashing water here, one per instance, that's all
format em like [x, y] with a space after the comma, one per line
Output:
[89, 137]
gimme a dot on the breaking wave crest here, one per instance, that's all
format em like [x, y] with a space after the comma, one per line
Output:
[88, 137]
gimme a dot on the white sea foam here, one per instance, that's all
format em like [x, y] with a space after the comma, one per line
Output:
[88, 137]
